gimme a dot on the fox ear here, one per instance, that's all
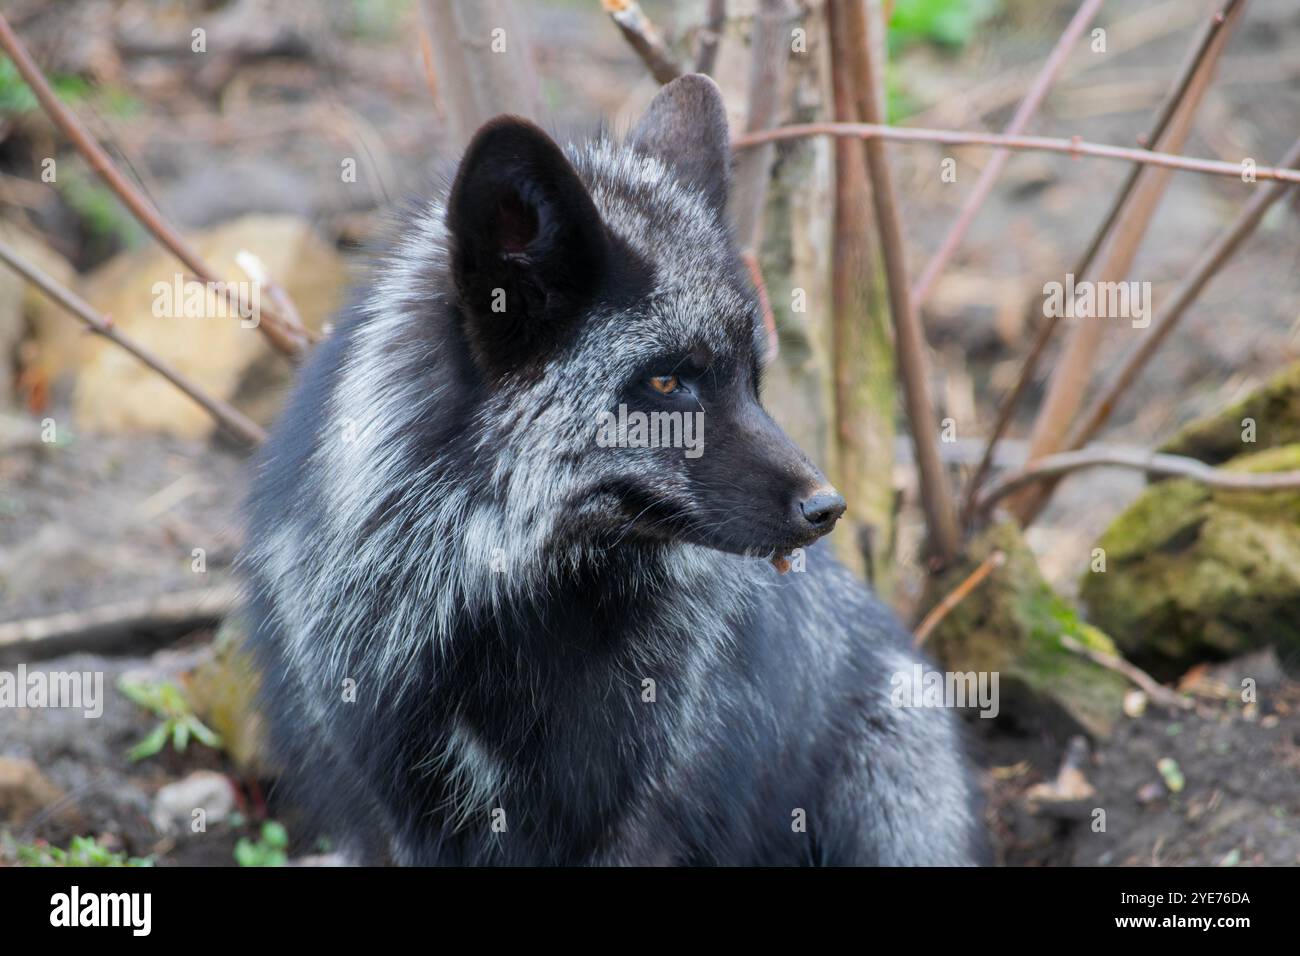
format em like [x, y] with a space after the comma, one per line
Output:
[528, 246]
[685, 126]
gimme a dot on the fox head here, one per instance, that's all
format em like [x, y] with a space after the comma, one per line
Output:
[559, 361]
[605, 283]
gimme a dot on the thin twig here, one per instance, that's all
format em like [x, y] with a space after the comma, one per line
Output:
[1163, 696]
[909, 337]
[984, 185]
[1154, 463]
[1075, 367]
[769, 52]
[87, 630]
[950, 137]
[1029, 367]
[764, 305]
[226, 415]
[995, 559]
[289, 340]
[1206, 267]
[642, 35]
[715, 21]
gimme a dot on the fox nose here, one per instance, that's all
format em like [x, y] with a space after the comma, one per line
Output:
[822, 509]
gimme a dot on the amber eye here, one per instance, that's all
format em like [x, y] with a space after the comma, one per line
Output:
[664, 384]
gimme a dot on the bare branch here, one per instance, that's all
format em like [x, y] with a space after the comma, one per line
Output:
[1054, 466]
[642, 35]
[769, 51]
[226, 415]
[1029, 367]
[715, 21]
[1162, 695]
[1072, 147]
[984, 185]
[88, 630]
[941, 610]
[288, 339]
[909, 337]
[1075, 367]
[1206, 267]
[476, 79]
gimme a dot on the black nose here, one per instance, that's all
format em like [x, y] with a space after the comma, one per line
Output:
[822, 508]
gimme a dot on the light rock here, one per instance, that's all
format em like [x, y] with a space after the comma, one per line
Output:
[206, 790]
[116, 393]
[25, 792]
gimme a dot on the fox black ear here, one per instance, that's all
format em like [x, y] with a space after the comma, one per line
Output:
[527, 243]
[685, 126]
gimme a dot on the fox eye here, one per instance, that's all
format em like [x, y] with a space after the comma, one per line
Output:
[665, 384]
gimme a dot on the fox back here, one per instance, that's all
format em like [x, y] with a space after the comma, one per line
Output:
[500, 621]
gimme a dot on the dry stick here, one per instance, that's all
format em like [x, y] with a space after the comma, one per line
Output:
[1029, 368]
[1206, 267]
[715, 21]
[644, 38]
[1053, 466]
[290, 341]
[936, 498]
[86, 630]
[769, 52]
[941, 610]
[984, 185]
[764, 305]
[861, 347]
[1163, 696]
[230, 418]
[1047, 144]
[1075, 367]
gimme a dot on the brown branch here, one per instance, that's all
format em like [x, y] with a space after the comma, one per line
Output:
[1075, 367]
[909, 337]
[289, 340]
[764, 305]
[769, 51]
[941, 610]
[1029, 367]
[642, 35]
[984, 185]
[1054, 466]
[950, 137]
[1163, 696]
[1206, 267]
[226, 415]
[715, 21]
[89, 629]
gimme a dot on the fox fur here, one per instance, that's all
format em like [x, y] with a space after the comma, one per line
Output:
[487, 639]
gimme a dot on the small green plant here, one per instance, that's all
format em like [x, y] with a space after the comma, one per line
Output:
[945, 23]
[16, 97]
[178, 724]
[269, 850]
[82, 851]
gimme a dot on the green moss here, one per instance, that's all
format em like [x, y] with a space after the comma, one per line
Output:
[1012, 623]
[1192, 571]
[1275, 409]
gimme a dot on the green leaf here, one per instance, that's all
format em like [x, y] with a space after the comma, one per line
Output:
[155, 742]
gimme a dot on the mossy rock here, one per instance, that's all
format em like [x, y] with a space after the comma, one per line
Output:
[1274, 408]
[1193, 572]
[223, 691]
[1012, 623]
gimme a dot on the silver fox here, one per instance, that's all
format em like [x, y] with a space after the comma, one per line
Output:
[488, 638]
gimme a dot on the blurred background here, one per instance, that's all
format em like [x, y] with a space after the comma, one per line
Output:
[278, 139]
